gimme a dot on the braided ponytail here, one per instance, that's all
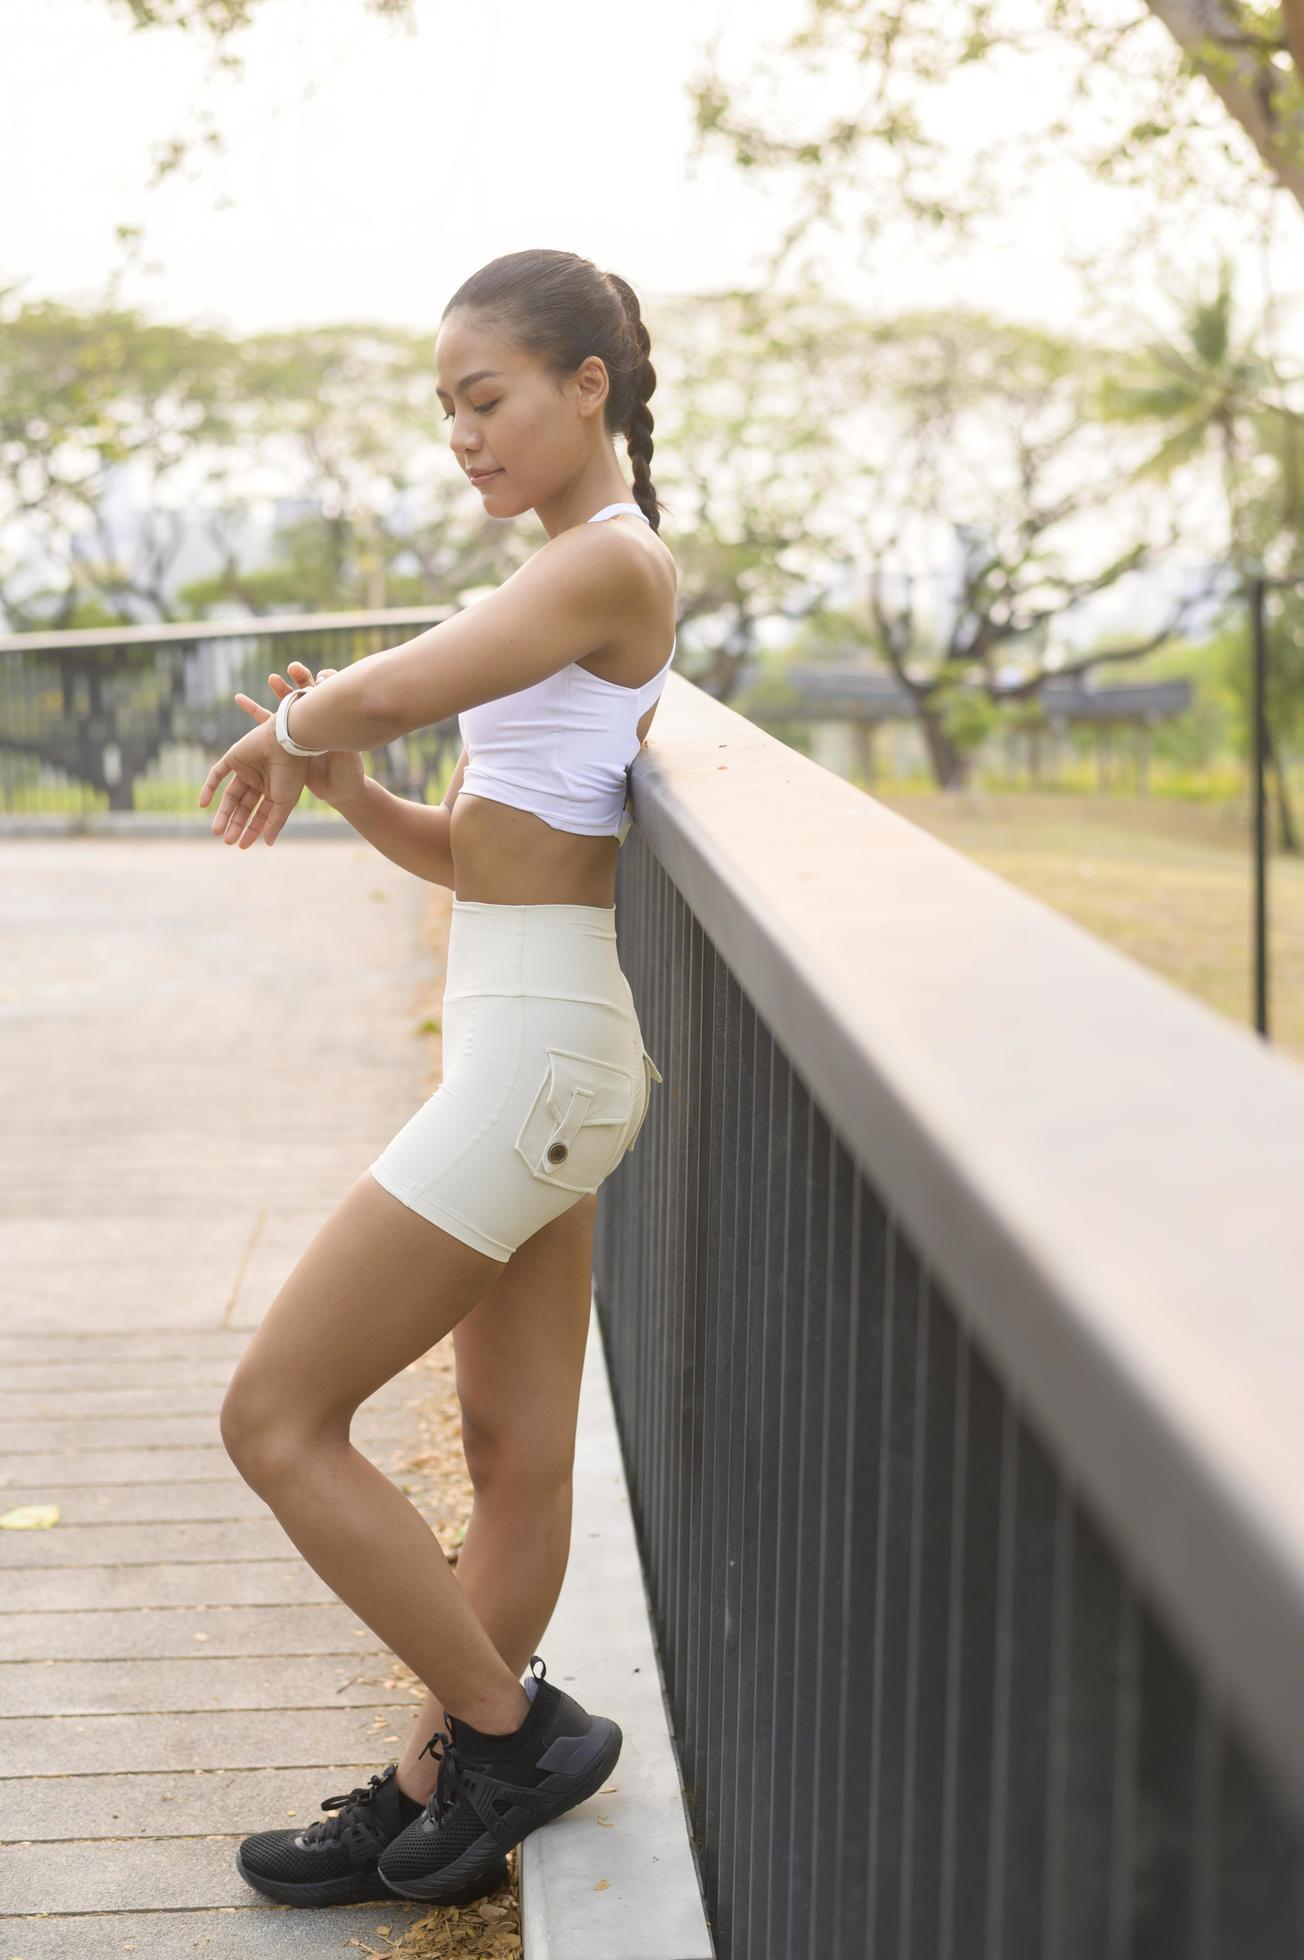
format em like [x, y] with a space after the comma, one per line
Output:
[639, 428]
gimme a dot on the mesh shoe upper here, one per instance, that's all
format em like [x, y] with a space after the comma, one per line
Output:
[492, 1790]
[363, 1822]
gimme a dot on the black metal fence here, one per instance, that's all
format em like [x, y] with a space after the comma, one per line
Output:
[130, 719]
[927, 1703]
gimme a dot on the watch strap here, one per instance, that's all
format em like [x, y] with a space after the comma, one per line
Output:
[283, 734]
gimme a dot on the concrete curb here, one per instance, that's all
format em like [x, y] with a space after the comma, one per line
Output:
[616, 1878]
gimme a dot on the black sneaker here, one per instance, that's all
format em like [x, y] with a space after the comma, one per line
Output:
[493, 1790]
[333, 1862]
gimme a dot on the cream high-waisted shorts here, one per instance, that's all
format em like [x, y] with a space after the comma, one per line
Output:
[546, 1080]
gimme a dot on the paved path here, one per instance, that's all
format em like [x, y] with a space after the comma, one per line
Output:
[201, 1049]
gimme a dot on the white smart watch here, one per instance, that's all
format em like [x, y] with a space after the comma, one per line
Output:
[283, 734]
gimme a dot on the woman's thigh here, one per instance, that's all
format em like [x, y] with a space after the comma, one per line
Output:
[377, 1286]
[520, 1355]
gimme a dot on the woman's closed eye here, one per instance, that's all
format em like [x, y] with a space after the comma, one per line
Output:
[482, 410]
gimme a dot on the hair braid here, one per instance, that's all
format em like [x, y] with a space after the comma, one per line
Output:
[644, 377]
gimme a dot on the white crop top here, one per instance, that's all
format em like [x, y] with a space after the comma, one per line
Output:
[561, 748]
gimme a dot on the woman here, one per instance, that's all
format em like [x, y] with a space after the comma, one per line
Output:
[478, 1215]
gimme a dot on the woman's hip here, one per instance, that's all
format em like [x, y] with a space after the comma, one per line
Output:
[567, 952]
[546, 1081]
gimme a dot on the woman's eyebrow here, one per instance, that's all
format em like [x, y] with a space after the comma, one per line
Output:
[481, 374]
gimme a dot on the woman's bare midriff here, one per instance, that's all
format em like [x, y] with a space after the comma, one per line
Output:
[506, 856]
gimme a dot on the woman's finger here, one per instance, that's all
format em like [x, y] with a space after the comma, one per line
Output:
[238, 815]
[257, 822]
[219, 769]
[236, 787]
[228, 807]
[254, 708]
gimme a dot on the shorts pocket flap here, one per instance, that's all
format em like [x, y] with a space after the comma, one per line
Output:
[575, 1126]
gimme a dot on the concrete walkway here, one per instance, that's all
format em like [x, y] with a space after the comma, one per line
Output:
[201, 1049]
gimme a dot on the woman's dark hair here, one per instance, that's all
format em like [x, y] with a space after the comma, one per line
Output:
[561, 308]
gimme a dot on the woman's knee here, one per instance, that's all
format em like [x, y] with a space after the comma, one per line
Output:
[264, 1440]
[512, 1461]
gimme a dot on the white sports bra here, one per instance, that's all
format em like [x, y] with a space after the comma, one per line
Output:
[561, 748]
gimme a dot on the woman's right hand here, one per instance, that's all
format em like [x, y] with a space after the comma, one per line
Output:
[336, 777]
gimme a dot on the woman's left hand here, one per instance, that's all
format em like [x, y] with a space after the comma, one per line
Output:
[267, 783]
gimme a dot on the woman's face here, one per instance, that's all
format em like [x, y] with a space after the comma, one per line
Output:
[505, 413]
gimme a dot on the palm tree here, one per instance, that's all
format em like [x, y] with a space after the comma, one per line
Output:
[1206, 389]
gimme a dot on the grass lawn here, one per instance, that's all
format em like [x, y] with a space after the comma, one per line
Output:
[1169, 883]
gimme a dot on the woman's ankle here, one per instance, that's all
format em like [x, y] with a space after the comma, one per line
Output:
[416, 1788]
[497, 1719]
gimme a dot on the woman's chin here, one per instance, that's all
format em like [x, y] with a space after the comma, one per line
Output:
[500, 500]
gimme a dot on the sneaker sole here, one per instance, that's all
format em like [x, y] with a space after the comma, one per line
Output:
[442, 1887]
[355, 1888]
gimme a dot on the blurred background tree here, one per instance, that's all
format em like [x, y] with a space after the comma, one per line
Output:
[221, 23]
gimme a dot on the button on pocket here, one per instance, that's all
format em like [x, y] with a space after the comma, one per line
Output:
[575, 1127]
[651, 1074]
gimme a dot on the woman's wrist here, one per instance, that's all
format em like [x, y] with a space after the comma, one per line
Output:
[334, 713]
[355, 800]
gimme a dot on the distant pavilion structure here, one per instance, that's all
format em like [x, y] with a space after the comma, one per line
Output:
[845, 706]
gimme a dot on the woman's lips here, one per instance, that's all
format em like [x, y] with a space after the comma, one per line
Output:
[483, 476]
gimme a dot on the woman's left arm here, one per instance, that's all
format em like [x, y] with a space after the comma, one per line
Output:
[570, 597]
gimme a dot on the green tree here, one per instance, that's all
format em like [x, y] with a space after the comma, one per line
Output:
[1209, 389]
[341, 423]
[85, 398]
[221, 23]
[1203, 96]
[988, 474]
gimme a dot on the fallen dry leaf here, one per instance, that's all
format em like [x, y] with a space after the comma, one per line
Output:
[30, 1517]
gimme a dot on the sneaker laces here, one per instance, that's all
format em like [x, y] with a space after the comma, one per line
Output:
[448, 1783]
[326, 1828]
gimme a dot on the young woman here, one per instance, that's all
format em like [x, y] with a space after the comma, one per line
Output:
[478, 1215]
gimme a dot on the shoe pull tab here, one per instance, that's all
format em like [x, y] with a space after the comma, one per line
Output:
[542, 1669]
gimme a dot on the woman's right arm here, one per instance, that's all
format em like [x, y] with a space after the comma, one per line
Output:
[412, 835]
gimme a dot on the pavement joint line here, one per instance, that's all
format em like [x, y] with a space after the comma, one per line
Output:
[224, 1323]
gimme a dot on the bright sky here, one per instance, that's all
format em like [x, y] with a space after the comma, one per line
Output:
[368, 170]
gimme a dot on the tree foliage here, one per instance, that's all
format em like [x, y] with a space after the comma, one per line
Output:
[118, 435]
[1134, 96]
[220, 23]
